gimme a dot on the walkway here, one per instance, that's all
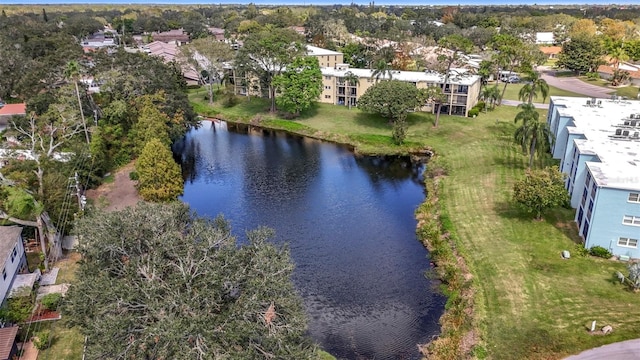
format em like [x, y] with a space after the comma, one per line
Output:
[625, 350]
[516, 103]
[575, 85]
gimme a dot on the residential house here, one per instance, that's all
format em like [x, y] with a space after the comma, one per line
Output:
[8, 111]
[606, 71]
[100, 39]
[168, 53]
[546, 38]
[177, 36]
[551, 52]
[8, 346]
[12, 257]
[598, 144]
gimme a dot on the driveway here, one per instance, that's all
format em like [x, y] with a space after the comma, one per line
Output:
[625, 350]
[575, 85]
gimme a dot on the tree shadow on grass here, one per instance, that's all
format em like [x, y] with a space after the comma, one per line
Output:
[372, 121]
[312, 111]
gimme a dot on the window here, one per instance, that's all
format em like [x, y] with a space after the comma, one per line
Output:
[584, 196]
[580, 215]
[327, 96]
[631, 220]
[13, 255]
[585, 229]
[4, 274]
[327, 77]
[627, 242]
[634, 197]
[587, 181]
[593, 191]
[327, 87]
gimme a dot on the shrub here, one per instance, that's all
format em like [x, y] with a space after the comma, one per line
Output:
[474, 112]
[592, 75]
[17, 310]
[599, 251]
[42, 340]
[51, 301]
[581, 251]
[133, 176]
[480, 105]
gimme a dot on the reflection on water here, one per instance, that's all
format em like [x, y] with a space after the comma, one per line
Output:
[349, 223]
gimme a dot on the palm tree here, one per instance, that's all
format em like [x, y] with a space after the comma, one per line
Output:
[490, 94]
[352, 80]
[534, 85]
[381, 69]
[534, 136]
[72, 72]
[618, 54]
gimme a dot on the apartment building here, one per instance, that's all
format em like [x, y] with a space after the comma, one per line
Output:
[598, 144]
[462, 88]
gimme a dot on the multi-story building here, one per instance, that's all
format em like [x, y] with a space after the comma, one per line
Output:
[462, 88]
[12, 257]
[598, 144]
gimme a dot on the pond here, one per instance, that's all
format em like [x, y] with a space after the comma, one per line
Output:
[349, 222]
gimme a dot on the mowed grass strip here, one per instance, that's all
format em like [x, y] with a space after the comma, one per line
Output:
[530, 303]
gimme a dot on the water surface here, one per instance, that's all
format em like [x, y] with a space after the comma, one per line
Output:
[349, 222]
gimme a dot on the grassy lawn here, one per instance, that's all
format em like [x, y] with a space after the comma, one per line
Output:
[67, 342]
[630, 91]
[513, 89]
[530, 302]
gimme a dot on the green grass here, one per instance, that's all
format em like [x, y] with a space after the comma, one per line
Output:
[629, 91]
[67, 343]
[529, 303]
[513, 89]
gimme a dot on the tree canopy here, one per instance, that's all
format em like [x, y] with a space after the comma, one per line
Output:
[300, 85]
[157, 282]
[159, 177]
[541, 190]
[392, 99]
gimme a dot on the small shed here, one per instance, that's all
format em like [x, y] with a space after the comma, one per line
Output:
[8, 347]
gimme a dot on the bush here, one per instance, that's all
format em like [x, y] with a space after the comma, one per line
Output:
[42, 340]
[592, 75]
[599, 251]
[480, 105]
[51, 301]
[133, 176]
[474, 112]
[581, 251]
[17, 310]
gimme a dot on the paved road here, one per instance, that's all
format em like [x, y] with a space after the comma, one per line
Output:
[516, 103]
[575, 85]
[625, 350]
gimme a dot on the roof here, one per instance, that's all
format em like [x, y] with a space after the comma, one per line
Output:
[544, 37]
[7, 339]
[317, 51]
[634, 70]
[548, 50]
[409, 76]
[9, 237]
[619, 156]
[13, 109]
[23, 284]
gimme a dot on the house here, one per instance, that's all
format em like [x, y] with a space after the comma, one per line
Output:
[606, 71]
[218, 33]
[8, 347]
[100, 39]
[177, 36]
[326, 58]
[551, 52]
[8, 111]
[546, 38]
[598, 144]
[12, 257]
[168, 53]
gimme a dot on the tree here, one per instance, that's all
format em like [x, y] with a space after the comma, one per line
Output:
[352, 80]
[382, 70]
[72, 72]
[159, 177]
[541, 190]
[534, 85]
[392, 100]
[158, 282]
[490, 95]
[510, 53]
[533, 135]
[452, 48]
[268, 53]
[152, 123]
[581, 54]
[583, 27]
[209, 56]
[300, 85]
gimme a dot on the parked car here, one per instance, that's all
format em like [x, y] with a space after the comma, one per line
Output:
[514, 79]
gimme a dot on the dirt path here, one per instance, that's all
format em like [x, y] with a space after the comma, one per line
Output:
[117, 195]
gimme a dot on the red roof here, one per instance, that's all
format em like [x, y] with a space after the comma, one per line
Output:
[14, 109]
[7, 338]
[550, 49]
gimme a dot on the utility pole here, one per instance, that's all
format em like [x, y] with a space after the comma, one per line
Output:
[82, 200]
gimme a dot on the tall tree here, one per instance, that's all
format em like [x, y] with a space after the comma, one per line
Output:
[152, 122]
[158, 282]
[207, 56]
[533, 135]
[508, 54]
[72, 72]
[352, 81]
[534, 85]
[452, 47]
[268, 53]
[381, 70]
[159, 177]
[300, 85]
[490, 95]
[541, 190]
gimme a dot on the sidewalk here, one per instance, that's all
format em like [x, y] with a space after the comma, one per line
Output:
[625, 350]
[516, 103]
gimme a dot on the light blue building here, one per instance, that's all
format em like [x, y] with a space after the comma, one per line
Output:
[598, 144]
